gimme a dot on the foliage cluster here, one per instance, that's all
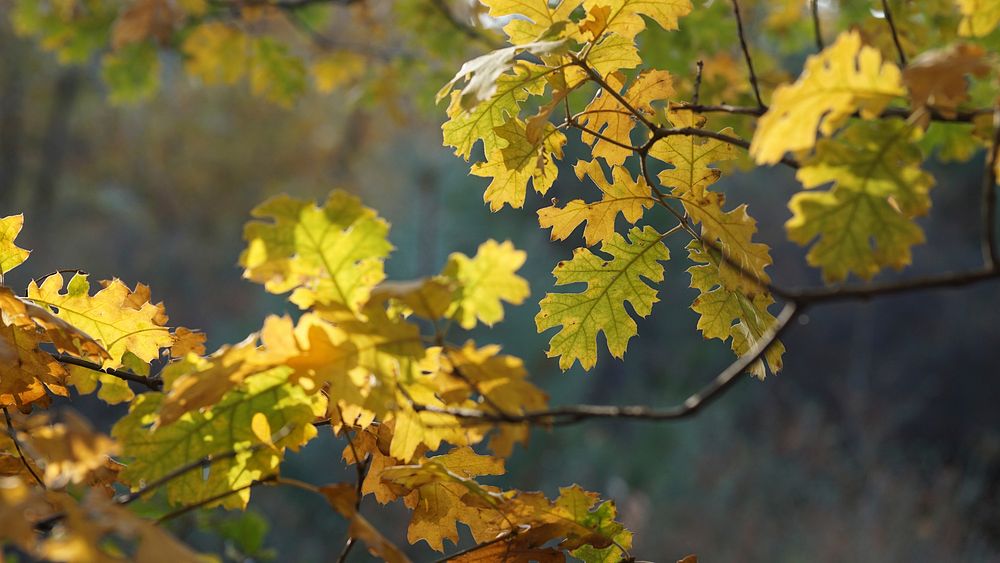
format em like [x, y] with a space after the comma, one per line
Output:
[373, 360]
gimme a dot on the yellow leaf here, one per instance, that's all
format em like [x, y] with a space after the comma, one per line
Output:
[429, 298]
[69, 451]
[865, 222]
[10, 255]
[623, 195]
[606, 115]
[601, 307]
[26, 372]
[328, 255]
[438, 485]
[119, 319]
[979, 17]
[217, 53]
[519, 162]
[484, 281]
[537, 17]
[844, 78]
[337, 69]
[89, 530]
[502, 382]
[626, 20]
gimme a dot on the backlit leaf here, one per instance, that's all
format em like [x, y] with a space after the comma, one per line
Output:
[846, 77]
[601, 306]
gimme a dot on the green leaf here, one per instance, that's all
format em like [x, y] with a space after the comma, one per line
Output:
[327, 255]
[727, 314]
[601, 307]
[132, 73]
[865, 222]
[225, 427]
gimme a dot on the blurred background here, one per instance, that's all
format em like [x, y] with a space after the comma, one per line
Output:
[880, 440]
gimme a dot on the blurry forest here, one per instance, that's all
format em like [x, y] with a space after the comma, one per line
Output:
[880, 440]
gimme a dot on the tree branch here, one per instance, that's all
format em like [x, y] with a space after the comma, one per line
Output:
[746, 55]
[151, 383]
[694, 403]
[17, 446]
[817, 31]
[184, 510]
[991, 256]
[895, 34]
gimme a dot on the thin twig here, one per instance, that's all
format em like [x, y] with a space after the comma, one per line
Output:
[697, 82]
[817, 31]
[694, 403]
[895, 35]
[746, 54]
[991, 256]
[501, 538]
[966, 116]
[151, 383]
[17, 446]
[214, 498]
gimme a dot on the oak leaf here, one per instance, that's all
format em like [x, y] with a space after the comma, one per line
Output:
[620, 195]
[328, 255]
[485, 281]
[116, 318]
[601, 307]
[729, 314]
[845, 77]
[865, 222]
[10, 255]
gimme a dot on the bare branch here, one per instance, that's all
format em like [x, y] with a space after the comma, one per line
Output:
[817, 32]
[697, 82]
[991, 256]
[501, 538]
[215, 498]
[937, 281]
[152, 384]
[746, 54]
[17, 446]
[697, 401]
[895, 33]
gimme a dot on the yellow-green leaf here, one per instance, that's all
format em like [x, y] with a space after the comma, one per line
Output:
[224, 428]
[731, 231]
[328, 255]
[601, 307]
[538, 16]
[118, 318]
[485, 281]
[622, 195]
[10, 255]
[467, 127]
[726, 314]
[865, 222]
[625, 18]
